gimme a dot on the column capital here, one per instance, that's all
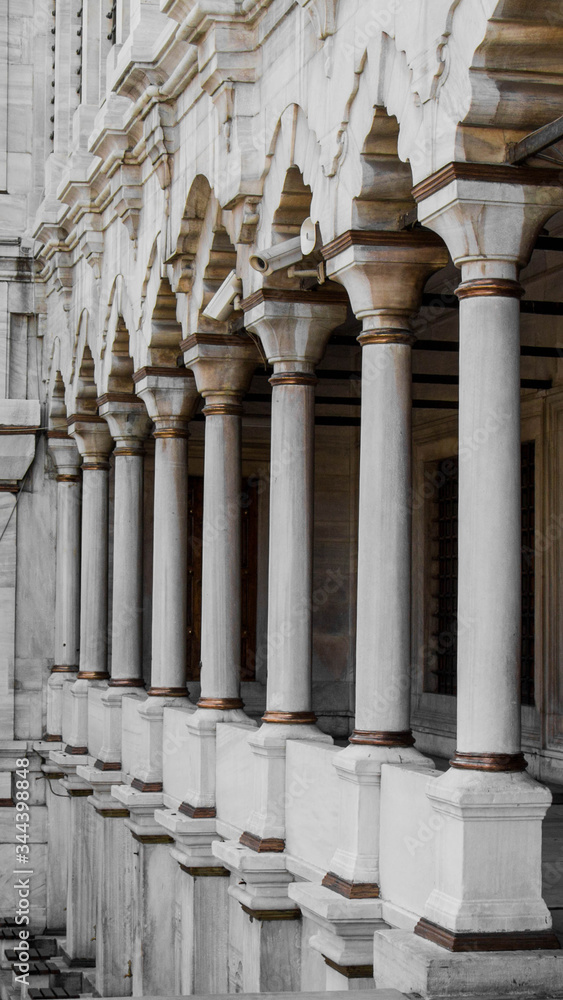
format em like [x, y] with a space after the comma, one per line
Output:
[294, 326]
[489, 214]
[65, 454]
[170, 396]
[384, 273]
[127, 418]
[223, 366]
[93, 439]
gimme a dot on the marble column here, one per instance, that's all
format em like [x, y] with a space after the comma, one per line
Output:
[94, 444]
[129, 425]
[294, 335]
[67, 579]
[487, 893]
[384, 277]
[170, 396]
[222, 372]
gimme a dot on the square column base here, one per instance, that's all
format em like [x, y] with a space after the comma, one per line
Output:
[343, 932]
[112, 698]
[202, 904]
[405, 962]
[149, 771]
[155, 919]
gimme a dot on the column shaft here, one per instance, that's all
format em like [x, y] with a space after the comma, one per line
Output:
[94, 571]
[489, 523]
[170, 567]
[291, 547]
[67, 582]
[127, 567]
[384, 547]
[221, 572]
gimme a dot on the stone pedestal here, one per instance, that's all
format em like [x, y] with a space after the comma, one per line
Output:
[83, 860]
[343, 934]
[58, 823]
[155, 919]
[265, 924]
[202, 905]
[114, 888]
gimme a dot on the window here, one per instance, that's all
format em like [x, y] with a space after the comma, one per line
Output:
[441, 665]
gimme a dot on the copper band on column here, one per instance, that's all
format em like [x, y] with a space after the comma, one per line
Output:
[489, 761]
[10, 488]
[490, 286]
[129, 682]
[223, 409]
[60, 668]
[222, 704]
[92, 675]
[386, 337]
[137, 452]
[171, 432]
[52, 738]
[62, 478]
[293, 378]
[291, 718]
[381, 738]
[168, 692]
[95, 466]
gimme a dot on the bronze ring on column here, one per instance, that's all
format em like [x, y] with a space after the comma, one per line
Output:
[168, 692]
[129, 682]
[386, 337]
[61, 668]
[171, 432]
[92, 675]
[224, 704]
[95, 466]
[291, 718]
[63, 478]
[293, 378]
[490, 286]
[383, 738]
[489, 761]
[123, 452]
[223, 410]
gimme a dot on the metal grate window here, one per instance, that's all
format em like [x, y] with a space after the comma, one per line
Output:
[445, 634]
[442, 660]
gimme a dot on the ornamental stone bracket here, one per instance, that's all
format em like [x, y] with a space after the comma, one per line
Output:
[127, 194]
[423, 32]
[323, 16]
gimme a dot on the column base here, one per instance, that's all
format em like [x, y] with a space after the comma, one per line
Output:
[488, 851]
[343, 934]
[350, 890]
[199, 796]
[354, 867]
[405, 962]
[266, 824]
[499, 941]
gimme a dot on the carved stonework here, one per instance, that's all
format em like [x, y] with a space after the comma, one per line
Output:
[423, 33]
[323, 16]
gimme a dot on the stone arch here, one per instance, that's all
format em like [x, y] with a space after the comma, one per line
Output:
[119, 350]
[56, 404]
[85, 390]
